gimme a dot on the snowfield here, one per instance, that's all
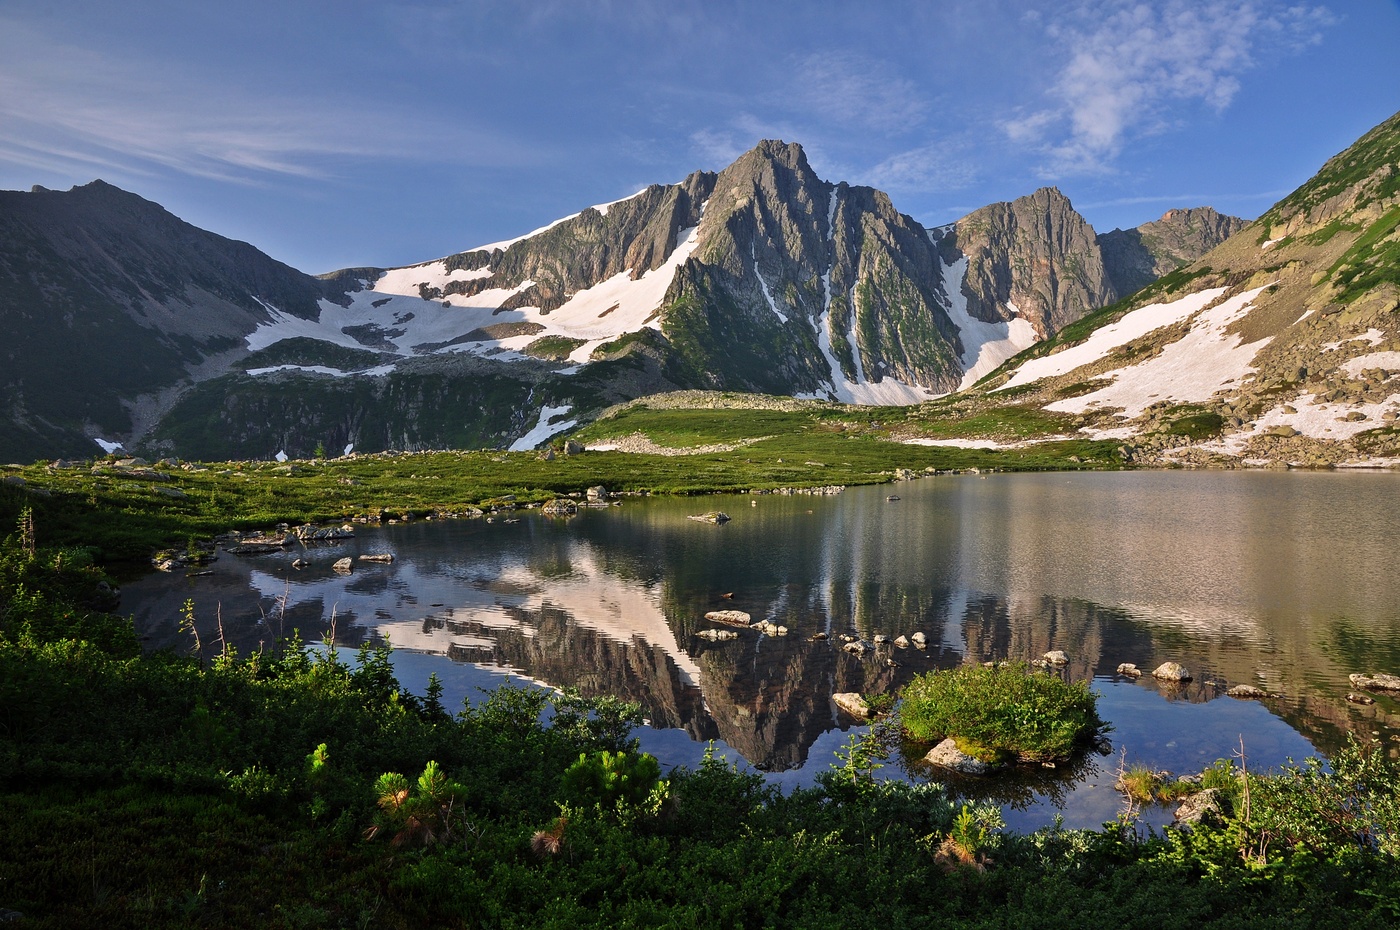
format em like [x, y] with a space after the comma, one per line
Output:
[985, 345]
[1206, 360]
[1107, 338]
[544, 428]
[390, 316]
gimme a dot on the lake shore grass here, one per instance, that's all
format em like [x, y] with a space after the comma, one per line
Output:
[125, 513]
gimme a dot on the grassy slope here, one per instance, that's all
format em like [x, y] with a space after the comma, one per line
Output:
[126, 515]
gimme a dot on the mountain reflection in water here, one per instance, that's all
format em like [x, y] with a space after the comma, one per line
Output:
[1281, 580]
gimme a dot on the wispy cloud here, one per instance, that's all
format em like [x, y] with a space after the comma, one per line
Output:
[67, 108]
[1129, 68]
[719, 146]
[940, 166]
[1180, 199]
[855, 91]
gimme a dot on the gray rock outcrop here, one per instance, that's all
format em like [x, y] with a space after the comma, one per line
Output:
[947, 755]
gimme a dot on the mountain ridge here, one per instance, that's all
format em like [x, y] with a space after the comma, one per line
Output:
[760, 277]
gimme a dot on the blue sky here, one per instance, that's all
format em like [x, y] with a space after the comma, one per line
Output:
[334, 134]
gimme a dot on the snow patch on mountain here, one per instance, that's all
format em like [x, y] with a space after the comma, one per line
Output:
[430, 274]
[985, 345]
[886, 393]
[1206, 360]
[1372, 336]
[1314, 417]
[389, 316]
[507, 243]
[621, 304]
[1132, 326]
[378, 371]
[544, 428]
[763, 285]
[1390, 361]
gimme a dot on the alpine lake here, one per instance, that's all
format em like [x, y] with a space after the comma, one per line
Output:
[1287, 581]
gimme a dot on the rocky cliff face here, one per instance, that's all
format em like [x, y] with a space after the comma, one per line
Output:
[1034, 257]
[800, 286]
[1134, 258]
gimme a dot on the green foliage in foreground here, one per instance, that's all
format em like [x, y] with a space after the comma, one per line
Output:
[283, 790]
[1007, 711]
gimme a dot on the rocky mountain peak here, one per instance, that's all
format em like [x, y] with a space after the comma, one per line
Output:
[1035, 254]
[788, 154]
[1134, 258]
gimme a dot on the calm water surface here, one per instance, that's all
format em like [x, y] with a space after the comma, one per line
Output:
[1287, 581]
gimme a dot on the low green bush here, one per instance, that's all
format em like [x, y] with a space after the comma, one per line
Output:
[1000, 712]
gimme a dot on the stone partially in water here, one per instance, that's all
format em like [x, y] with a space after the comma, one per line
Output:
[1380, 681]
[852, 703]
[1057, 657]
[947, 755]
[1171, 671]
[714, 516]
[717, 635]
[1129, 670]
[1356, 697]
[732, 617]
[343, 566]
[1200, 806]
[1247, 691]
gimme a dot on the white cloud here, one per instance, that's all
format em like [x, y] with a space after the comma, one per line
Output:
[940, 166]
[855, 90]
[1132, 69]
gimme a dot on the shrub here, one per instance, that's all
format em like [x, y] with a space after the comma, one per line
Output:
[1000, 711]
[611, 780]
[428, 813]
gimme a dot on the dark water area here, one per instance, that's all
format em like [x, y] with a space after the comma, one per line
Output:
[1285, 581]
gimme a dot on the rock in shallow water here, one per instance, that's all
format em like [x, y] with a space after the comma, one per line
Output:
[852, 703]
[1199, 806]
[1377, 682]
[947, 755]
[732, 617]
[1171, 671]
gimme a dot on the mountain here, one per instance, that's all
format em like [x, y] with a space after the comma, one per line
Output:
[1281, 345]
[1134, 258]
[107, 301]
[762, 277]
